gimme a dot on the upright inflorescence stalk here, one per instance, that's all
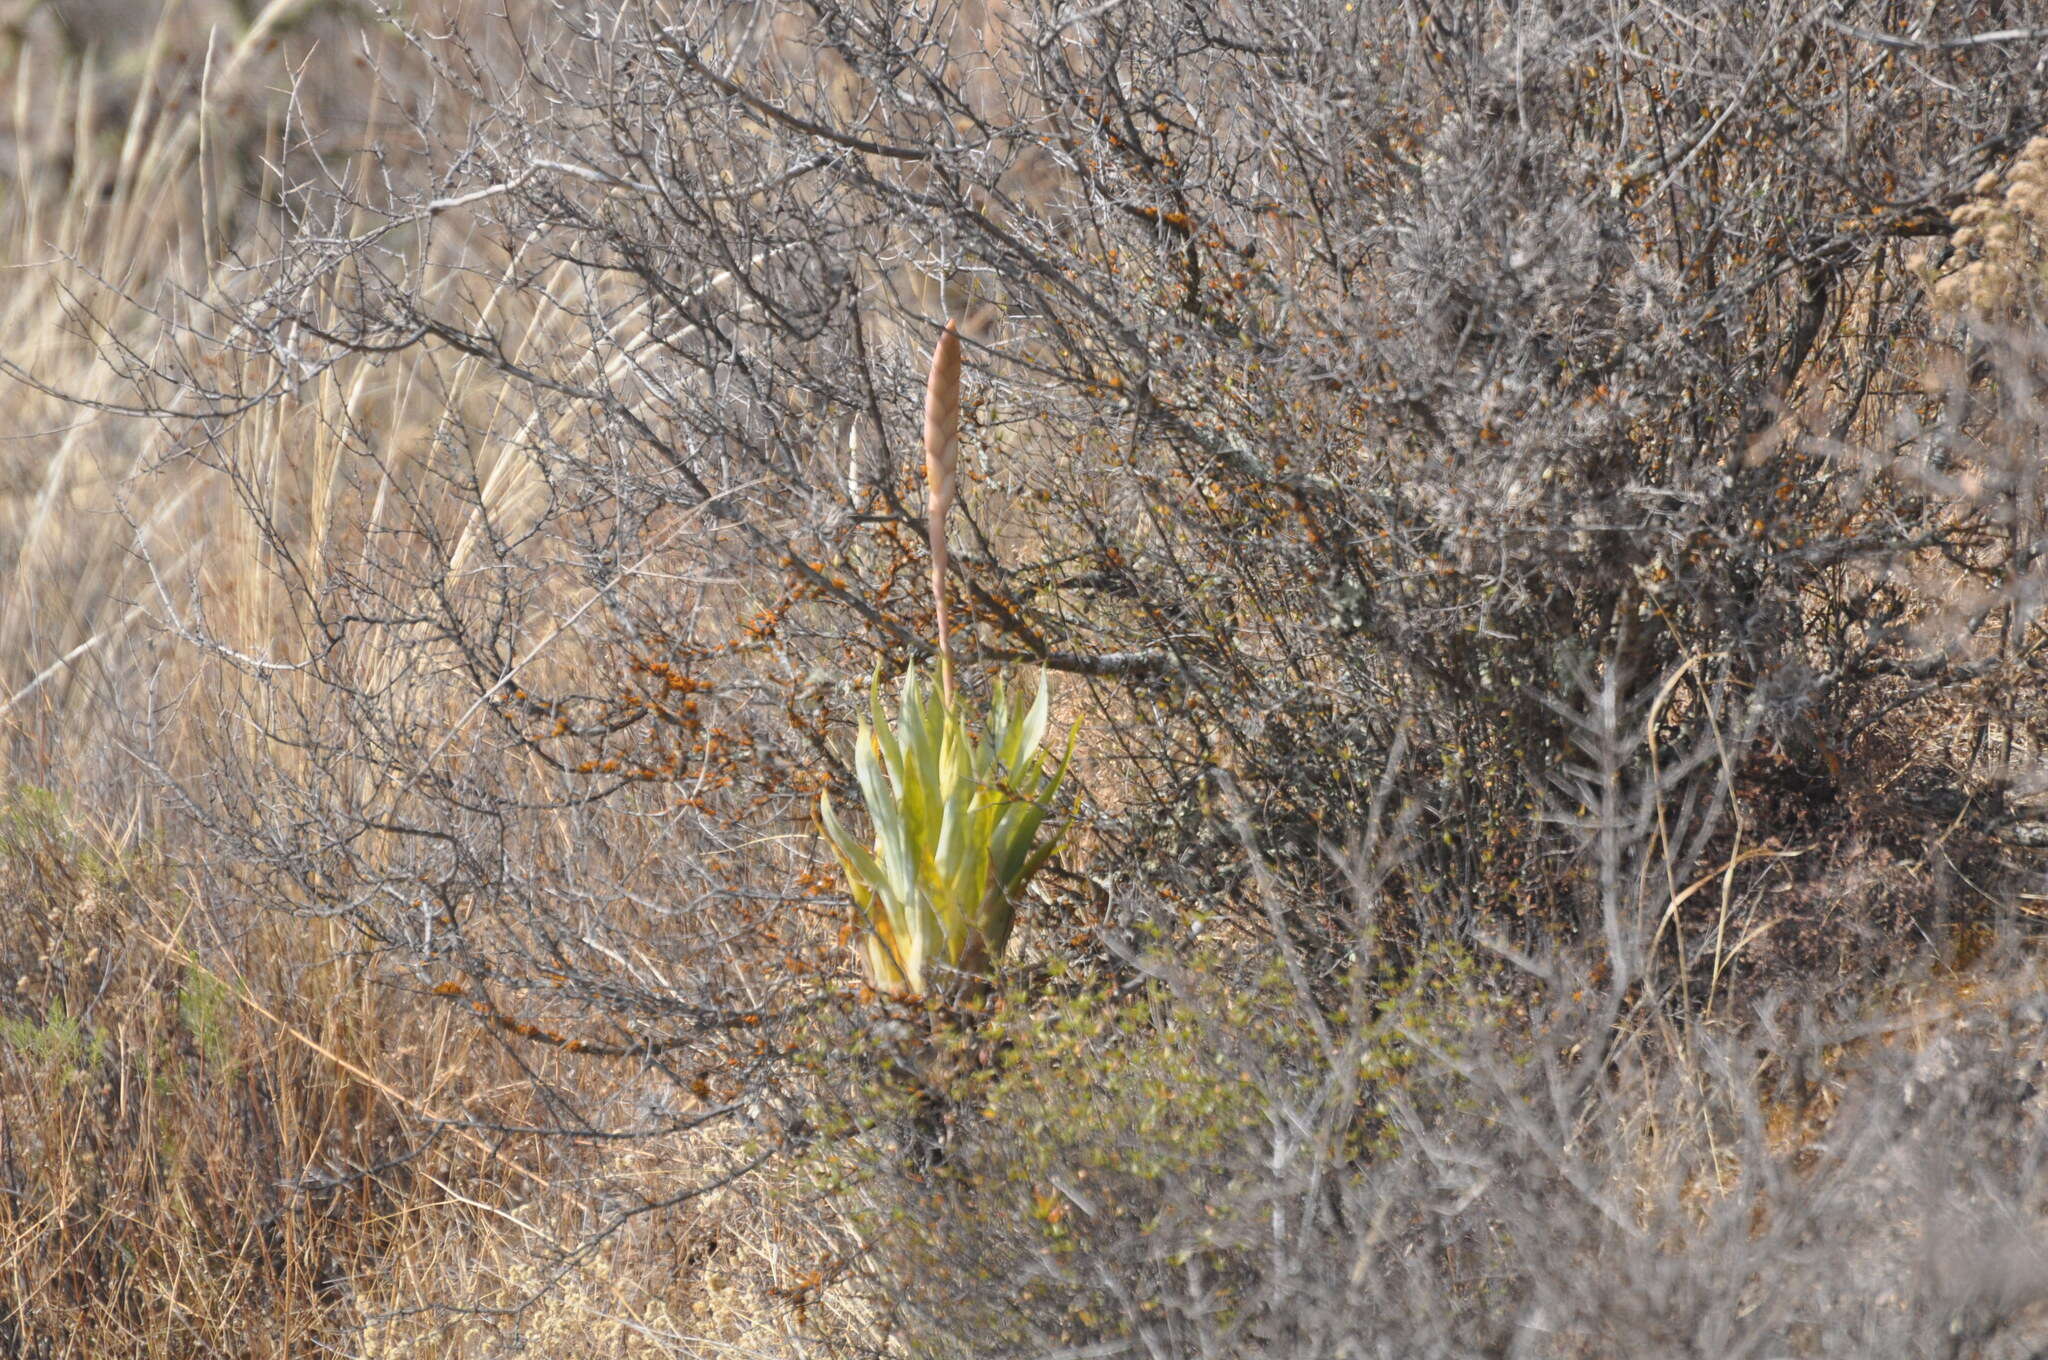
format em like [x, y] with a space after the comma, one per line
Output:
[965, 799]
[941, 455]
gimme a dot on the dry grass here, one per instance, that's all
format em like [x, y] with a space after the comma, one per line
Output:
[240, 1143]
[193, 1126]
[221, 1134]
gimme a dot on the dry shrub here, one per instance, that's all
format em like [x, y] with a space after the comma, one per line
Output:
[1513, 445]
[227, 1132]
[1516, 394]
[1191, 1167]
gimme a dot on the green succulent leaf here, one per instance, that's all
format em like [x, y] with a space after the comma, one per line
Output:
[959, 827]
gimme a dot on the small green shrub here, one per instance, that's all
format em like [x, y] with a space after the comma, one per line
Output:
[206, 1006]
[60, 1043]
[1104, 1147]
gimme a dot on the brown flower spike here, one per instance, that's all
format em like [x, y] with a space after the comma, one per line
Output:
[941, 455]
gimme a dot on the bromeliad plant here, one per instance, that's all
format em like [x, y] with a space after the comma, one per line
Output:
[959, 819]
